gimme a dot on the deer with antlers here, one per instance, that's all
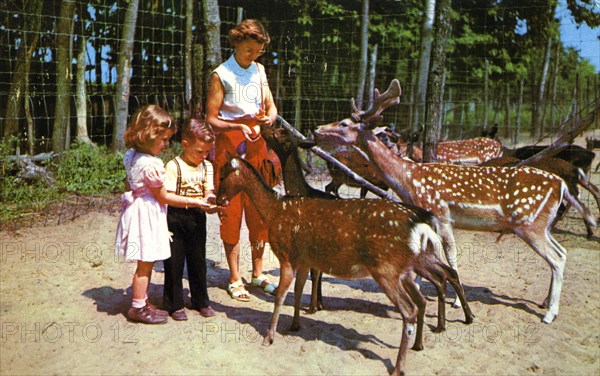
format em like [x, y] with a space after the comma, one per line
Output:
[399, 242]
[523, 201]
[285, 145]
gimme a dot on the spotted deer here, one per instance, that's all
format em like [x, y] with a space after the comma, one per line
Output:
[398, 242]
[470, 151]
[523, 201]
[573, 177]
[285, 145]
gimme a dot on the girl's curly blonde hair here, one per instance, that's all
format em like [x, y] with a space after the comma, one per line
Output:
[147, 124]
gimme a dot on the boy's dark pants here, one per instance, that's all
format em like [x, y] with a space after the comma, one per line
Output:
[188, 246]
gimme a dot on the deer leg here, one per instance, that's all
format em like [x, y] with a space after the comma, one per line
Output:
[556, 256]
[416, 296]
[449, 244]
[451, 276]
[301, 276]
[394, 290]
[592, 188]
[287, 274]
[440, 286]
[316, 296]
[588, 219]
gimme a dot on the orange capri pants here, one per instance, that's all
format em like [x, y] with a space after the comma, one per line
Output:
[231, 219]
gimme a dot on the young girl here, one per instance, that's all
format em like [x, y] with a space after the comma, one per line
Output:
[142, 233]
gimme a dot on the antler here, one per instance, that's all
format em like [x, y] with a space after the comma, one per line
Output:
[372, 116]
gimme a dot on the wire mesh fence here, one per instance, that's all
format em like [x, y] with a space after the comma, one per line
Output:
[312, 65]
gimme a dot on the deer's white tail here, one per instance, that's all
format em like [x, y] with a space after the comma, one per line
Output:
[422, 235]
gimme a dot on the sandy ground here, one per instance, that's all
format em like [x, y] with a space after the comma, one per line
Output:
[63, 297]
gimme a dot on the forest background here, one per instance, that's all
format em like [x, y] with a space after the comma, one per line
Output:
[72, 72]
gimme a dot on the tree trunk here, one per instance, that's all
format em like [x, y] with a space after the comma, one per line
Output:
[554, 101]
[433, 111]
[364, 47]
[537, 125]
[31, 28]
[424, 61]
[372, 74]
[81, 97]
[212, 41]
[64, 76]
[124, 75]
[541, 108]
[28, 116]
[507, 125]
[198, 81]
[188, 55]
[519, 104]
[486, 94]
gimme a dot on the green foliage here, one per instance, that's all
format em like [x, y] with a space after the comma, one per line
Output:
[88, 169]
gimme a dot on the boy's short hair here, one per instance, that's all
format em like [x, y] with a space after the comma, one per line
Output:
[197, 129]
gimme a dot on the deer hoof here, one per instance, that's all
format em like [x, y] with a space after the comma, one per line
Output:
[268, 341]
[295, 328]
[417, 347]
[439, 329]
[549, 318]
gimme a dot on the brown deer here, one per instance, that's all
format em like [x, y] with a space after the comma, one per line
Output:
[572, 175]
[522, 200]
[356, 163]
[469, 151]
[286, 145]
[398, 243]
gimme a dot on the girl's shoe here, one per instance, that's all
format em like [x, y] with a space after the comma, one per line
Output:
[146, 315]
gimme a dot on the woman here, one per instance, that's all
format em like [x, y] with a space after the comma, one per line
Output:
[239, 101]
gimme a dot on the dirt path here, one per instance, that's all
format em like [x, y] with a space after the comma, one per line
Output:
[62, 298]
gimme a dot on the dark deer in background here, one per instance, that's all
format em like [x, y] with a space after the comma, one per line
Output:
[523, 201]
[387, 240]
[574, 154]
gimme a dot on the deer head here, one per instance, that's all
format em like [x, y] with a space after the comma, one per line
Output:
[345, 132]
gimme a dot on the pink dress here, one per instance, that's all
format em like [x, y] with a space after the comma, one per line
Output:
[142, 233]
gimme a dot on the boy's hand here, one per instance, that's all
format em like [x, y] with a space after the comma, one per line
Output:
[208, 207]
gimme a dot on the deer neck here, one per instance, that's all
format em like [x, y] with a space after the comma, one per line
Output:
[293, 178]
[264, 199]
[394, 170]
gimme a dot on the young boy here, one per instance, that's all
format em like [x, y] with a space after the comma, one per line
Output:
[189, 175]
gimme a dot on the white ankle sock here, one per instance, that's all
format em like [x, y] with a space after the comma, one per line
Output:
[138, 303]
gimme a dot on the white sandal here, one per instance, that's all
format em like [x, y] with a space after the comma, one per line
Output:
[263, 282]
[237, 291]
